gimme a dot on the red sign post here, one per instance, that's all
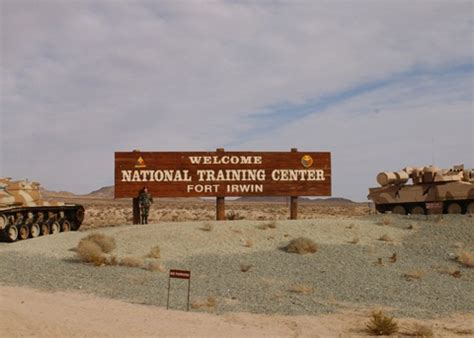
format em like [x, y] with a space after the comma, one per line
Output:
[180, 274]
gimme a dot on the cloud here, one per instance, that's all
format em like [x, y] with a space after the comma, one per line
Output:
[81, 80]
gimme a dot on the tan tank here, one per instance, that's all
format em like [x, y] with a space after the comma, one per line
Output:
[441, 190]
[23, 213]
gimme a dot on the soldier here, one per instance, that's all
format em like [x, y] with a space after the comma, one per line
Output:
[145, 200]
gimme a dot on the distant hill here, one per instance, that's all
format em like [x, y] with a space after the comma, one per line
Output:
[104, 192]
[51, 194]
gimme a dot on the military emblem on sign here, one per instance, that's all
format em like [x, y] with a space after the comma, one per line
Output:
[140, 163]
[307, 161]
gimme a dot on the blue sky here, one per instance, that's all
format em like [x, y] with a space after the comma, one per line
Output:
[382, 85]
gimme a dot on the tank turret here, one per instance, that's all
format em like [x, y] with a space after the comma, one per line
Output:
[24, 213]
[450, 190]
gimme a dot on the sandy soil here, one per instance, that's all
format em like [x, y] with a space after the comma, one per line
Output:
[28, 312]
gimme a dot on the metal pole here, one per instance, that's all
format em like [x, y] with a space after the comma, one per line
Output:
[168, 299]
[189, 289]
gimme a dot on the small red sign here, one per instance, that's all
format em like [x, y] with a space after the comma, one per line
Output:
[183, 274]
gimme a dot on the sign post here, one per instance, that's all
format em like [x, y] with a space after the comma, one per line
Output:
[180, 274]
[220, 174]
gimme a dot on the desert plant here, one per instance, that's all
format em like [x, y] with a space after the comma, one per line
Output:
[385, 238]
[386, 220]
[248, 243]
[354, 240]
[466, 258]
[420, 330]
[90, 252]
[263, 226]
[112, 260]
[210, 302]
[106, 243]
[381, 325]
[412, 275]
[155, 252]
[154, 265]
[207, 227]
[245, 267]
[302, 245]
[272, 225]
[302, 288]
[131, 262]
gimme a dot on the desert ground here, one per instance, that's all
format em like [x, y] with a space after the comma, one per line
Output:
[244, 280]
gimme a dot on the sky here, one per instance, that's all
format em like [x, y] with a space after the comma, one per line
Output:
[380, 84]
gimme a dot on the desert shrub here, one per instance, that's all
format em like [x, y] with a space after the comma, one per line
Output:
[245, 267]
[106, 243]
[301, 245]
[386, 220]
[90, 252]
[131, 262]
[302, 288]
[466, 258]
[154, 265]
[263, 226]
[248, 243]
[112, 260]
[154, 252]
[385, 238]
[412, 275]
[210, 302]
[421, 331]
[355, 240]
[207, 227]
[381, 325]
[232, 216]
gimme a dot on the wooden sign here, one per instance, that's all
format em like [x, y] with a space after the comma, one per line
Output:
[220, 174]
[180, 274]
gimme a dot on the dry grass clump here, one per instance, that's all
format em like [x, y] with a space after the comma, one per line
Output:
[466, 258]
[207, 227]
[248, 243]
[301, 245]
[112, 260]
[354, 240]
[154, 265]
[381, 325]
[245, 267]
[106, 243]
[385, 238]
[420, 330]
[131, 262]
[210, 303]
[90, 252]
[386, 220]
[154, 252]
[412, 275]
[272, 225]
[232, 216]
[302, 289]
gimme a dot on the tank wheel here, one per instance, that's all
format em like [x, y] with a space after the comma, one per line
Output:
[80, 215]
[470, 208]
[417, 210]
[454, 208]
[55, 228]
[45, 229]
[24, 231]
[35, 230]
[12, 233]
[399, 209]
[66, 226]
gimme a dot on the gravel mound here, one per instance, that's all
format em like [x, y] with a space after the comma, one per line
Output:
[340, 274]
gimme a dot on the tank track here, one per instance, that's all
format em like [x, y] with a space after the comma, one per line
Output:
[19, 223]
[449, 207]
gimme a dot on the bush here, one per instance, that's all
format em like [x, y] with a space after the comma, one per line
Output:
[466, 258]
[210, 302]
[302, 245]
[90, 252]
[154, 265]
[245, 267]
[421, 331]
[131, 262]
[207, 227]
[303, 289]
[381, 325]
[385, 238]
[154, 252]
[106, 243]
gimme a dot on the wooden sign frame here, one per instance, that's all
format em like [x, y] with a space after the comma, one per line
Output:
[219, 174]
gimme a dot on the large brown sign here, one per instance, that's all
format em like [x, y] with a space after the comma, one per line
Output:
[187, 174]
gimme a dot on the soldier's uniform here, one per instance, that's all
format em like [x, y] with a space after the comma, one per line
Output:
[145, 200]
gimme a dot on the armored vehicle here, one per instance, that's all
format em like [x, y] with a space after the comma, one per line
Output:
[23, 212]
[445, 190]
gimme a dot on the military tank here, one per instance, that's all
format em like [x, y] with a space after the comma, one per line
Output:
[24, 214]
[433, 190]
